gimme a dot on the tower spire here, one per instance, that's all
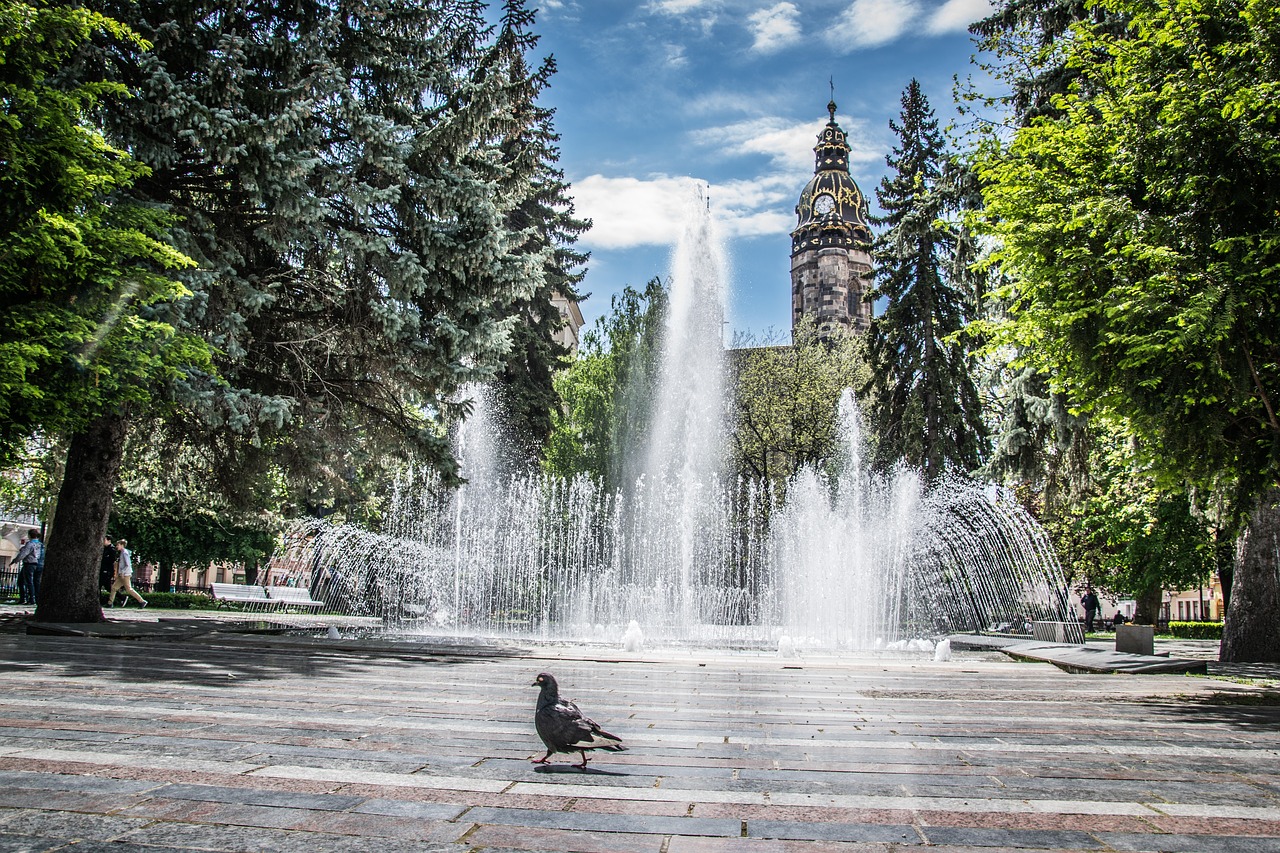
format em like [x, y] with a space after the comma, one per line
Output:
[831, 105]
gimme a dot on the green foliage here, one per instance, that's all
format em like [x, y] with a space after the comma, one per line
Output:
[785, 401]
[1039, 443]
[174, 535]
[525, 389]
[166, 510]
[1138, 234]
[608, 389]
[925, 406]
[30, 485]
[1024, 46]
[1129, 534]
[1196, 630]
[175, 601]
[358, 184]
[82, 269]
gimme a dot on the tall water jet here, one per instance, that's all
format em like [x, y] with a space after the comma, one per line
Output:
[684, 452]
[841, 547]
[687, 435]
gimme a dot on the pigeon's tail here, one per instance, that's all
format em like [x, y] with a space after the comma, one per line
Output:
[600, 739]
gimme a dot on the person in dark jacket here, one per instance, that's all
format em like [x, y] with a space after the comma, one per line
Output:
[1089, 601]
[107, 571]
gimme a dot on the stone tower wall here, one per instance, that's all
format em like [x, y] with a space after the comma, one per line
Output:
[826, 285]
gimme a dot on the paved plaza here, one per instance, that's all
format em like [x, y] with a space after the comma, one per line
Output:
[175, 736]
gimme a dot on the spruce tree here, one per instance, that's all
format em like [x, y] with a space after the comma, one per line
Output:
[339, 173]
[924, 405]
[526, 393]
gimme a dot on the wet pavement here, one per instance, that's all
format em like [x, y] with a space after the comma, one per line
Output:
[168, 731]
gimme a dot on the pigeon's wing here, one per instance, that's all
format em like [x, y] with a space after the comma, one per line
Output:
[594, 737]
[561, 726]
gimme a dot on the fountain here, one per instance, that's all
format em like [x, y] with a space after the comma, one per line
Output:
[848, 561]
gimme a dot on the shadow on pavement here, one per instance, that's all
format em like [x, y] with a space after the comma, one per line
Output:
[212, 657]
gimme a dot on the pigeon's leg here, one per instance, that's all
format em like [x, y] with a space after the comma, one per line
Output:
[546, 759]
[583, 765]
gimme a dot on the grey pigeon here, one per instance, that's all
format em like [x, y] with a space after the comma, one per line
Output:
[562, 726]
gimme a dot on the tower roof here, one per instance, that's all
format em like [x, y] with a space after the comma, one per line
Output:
[831, 210]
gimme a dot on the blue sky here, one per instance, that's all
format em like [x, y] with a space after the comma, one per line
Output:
[653, 93]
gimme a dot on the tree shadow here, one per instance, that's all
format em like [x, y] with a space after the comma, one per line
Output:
[1249, 710]
[216, 656]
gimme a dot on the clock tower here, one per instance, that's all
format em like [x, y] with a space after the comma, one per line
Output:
[830, 246]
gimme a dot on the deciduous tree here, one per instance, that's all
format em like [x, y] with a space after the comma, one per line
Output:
[785, 399]
[608, 390]
[84, 272]
[1138, 232]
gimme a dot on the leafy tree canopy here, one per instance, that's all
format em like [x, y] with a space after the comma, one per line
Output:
[82, 268]
[608, 390]
[785, 400]
[1140, 238]
[1137, 229]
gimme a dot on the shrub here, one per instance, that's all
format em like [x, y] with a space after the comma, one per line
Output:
[1196, 630]
[170, 600]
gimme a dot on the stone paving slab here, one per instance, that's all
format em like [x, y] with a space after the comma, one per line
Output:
[1094, 658]
[194, 739]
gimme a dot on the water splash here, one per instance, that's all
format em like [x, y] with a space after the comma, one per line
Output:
[850, 561]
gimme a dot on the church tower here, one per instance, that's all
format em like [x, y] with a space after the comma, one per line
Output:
[830, 247]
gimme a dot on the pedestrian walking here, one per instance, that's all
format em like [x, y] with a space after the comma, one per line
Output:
[124, 573]
[1089, 601]
[107, 571]
[30, 560]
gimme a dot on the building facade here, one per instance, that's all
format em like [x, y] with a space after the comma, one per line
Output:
[571, 321]
[831, 244]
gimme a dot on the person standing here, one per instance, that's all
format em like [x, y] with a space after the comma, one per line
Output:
[1089, 601]
[107, 571]
[30, 558]
[124, 573]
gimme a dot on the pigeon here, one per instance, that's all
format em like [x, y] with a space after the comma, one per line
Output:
[562, 726]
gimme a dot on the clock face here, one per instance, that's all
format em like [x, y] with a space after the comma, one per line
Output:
[824, 204]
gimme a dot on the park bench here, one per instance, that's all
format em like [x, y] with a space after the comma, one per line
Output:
[252, 597]
[1058, 632]
[292, 596]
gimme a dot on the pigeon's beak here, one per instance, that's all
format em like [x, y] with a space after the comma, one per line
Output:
[536, 684]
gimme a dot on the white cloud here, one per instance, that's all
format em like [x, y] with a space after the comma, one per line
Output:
[774, 28]
[869, 23]
[702, 13]
[956, 15]
[681, 7]
[788, 145]
[627, 212]
[757, 207]
[674, 56]
[731, 101]
[649, 211]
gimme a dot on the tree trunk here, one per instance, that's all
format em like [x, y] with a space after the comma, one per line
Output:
[164, 575]
[1252, 630]
[69, 589]
[1146, 609]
